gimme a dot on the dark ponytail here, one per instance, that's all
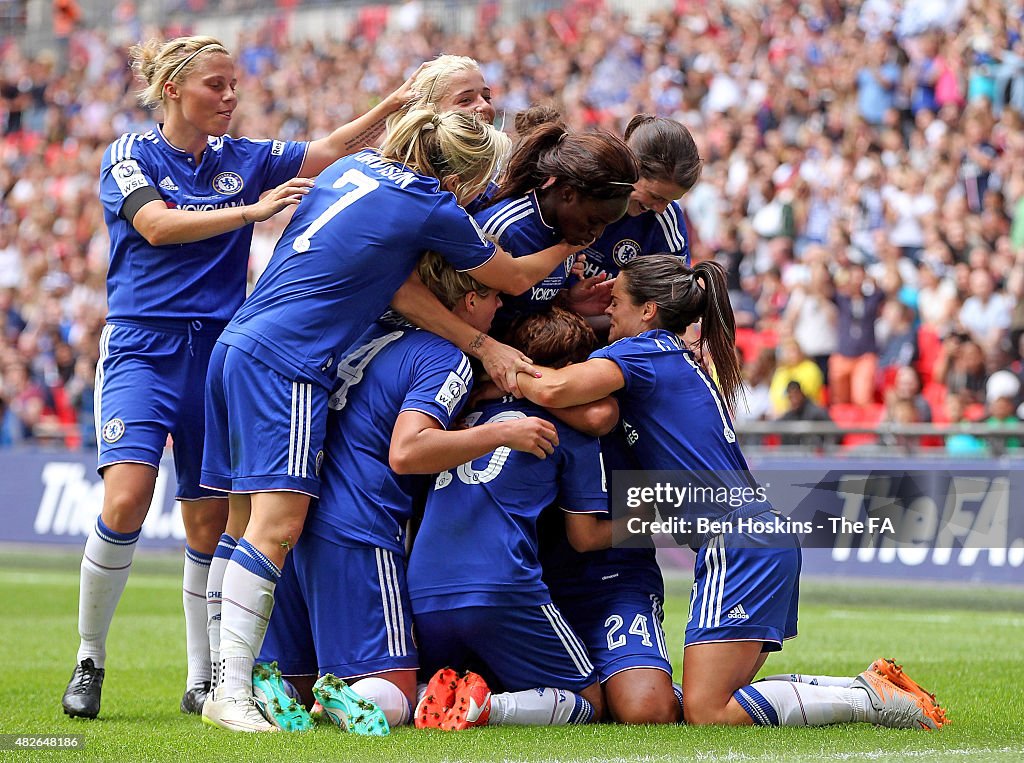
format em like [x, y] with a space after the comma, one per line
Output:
[684, 296]
[536, 115]
[596, 164]
[665, 149]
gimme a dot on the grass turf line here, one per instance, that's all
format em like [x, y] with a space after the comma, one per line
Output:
[961, 643]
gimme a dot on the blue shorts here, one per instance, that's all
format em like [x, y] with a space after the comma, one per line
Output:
[150, 382]
[622, 630]
[745, 588]
[264, 431]
[513, 648]
[342, 610]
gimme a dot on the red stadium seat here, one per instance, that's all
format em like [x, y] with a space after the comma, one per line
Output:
[886, 378]
[929, 345]
[935, 394]
[974, 412]
[750, 342]
[848, 414]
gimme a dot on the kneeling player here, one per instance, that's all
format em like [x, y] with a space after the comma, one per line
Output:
[343, 608]
[613, 598]
[475, 578]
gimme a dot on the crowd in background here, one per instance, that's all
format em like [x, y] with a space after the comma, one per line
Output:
[863, 183]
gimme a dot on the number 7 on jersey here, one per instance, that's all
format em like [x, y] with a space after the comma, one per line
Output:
[363, 185]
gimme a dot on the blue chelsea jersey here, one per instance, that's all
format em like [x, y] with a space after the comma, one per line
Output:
[674, 417]
[629, 237]
[570, 574]
[392, 370]
[350, 245]
[519, 228]
[477, 545]
[205, 279]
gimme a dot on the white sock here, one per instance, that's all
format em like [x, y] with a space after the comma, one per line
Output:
[800, 678]
[539, 707]
[105, 566]
[193, 599]
[421, 692]
[247, 601]
[788, 703]
[215, 580]
[677, 689]
[388, 697]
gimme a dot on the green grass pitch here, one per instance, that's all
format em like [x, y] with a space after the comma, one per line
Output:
[965, 644]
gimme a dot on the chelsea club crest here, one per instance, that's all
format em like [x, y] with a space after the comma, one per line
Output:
[228, 183]
[624, 251]
[112, 431]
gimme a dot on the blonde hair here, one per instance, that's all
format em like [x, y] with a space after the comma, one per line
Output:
[448, 284]
[431, 84]
[161, 62]
[453, 143]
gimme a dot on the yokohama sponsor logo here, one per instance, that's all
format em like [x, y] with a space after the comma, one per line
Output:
[204, 207]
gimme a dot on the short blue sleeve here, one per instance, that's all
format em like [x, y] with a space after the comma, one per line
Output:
[452, 233]
[672, 233]
[440, 383]
[121, 174]
[281, 159]
[581, 483]
[633, 359]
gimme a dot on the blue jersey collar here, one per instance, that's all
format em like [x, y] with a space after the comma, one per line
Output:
[166, 145]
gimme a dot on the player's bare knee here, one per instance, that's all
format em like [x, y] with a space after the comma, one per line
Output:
[204, 522]
[124, 510]
[275, 542]
[650, 709]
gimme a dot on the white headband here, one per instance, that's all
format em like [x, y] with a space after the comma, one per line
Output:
[180, 66]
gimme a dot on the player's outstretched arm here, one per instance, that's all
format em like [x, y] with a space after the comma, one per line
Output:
[418, 304]
[573, 385]
[419, 445]
[359, 133]
[595, 419]
[514, 275]
[161, 226]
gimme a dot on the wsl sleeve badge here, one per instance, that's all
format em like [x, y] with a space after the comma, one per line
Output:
[112, 431]
[451, 392]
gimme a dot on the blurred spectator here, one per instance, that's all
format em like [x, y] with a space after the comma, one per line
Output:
[986, 313]
[812, 316]
[906, 389]
[877, 81]
[24, 403]
[834, 136]
[792, 365]
[758, 377]
[936, 298]
[900, 411]
[961, 443]
[801, 408]
[961, 367]
[897, 337]
[1002, 396]
[852, 367]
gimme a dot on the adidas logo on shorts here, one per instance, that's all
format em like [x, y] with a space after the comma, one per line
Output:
[737, 613]
[168, 185]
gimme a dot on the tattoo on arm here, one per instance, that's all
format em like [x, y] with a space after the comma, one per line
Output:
[478, 342]
[367, 136]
